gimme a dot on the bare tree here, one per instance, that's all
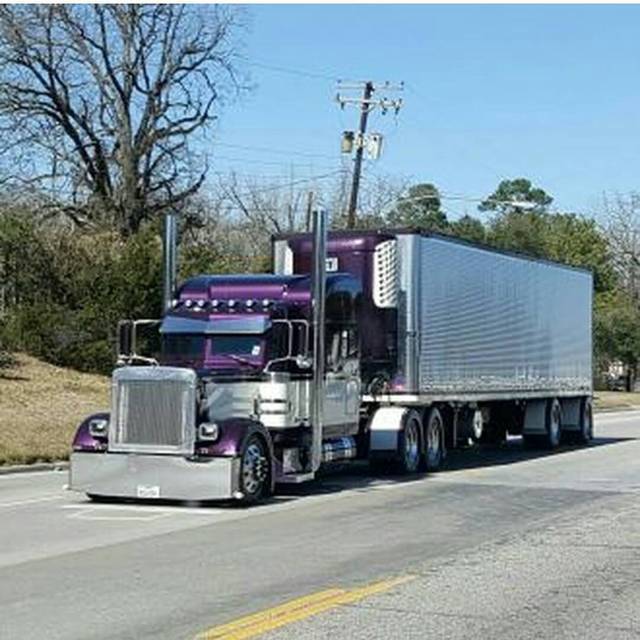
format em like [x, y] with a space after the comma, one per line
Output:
[622, 225]
[378, 196]
[101, 106]
[258, 209]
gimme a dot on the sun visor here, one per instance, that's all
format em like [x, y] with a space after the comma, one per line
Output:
[254, 324]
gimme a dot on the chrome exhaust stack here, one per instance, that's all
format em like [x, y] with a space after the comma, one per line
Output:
[169, 256]
[318, 297]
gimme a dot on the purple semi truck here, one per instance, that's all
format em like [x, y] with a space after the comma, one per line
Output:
[391, 346]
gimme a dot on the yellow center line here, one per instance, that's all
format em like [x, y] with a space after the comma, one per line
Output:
[295, 610]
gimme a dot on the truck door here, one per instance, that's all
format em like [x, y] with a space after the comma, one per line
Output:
[342, 382]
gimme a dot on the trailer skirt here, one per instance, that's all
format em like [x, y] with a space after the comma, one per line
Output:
[120, 475]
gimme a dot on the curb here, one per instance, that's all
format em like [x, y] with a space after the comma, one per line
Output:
[62, 465]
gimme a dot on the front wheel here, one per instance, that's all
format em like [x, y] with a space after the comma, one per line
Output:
[255, 470]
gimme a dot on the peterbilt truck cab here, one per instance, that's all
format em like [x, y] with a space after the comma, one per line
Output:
[225, 410]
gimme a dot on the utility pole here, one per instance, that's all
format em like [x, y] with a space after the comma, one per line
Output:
[360, 139]
[357, 163]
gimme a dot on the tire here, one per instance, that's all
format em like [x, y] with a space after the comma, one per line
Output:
[553, 429]
[409, 444]
[477, 426]
[585, 433]
[434, 439]
[255, 470]
[553, 424]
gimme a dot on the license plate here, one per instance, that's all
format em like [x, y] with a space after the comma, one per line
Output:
[148, 491]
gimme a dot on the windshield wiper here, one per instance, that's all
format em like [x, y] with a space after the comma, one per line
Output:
[240, 359]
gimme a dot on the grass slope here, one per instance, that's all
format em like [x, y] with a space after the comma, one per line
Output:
[40, 408]
[620, 400]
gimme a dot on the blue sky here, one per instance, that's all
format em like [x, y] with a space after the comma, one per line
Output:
[547, 92]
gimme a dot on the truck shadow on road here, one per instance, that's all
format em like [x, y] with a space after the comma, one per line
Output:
[341, 477]
[513, 451]
[356, 475]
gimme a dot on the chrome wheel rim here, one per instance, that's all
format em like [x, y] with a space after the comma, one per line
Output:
[433, 442]
[254, 468]
[411, 446]
[477, 425]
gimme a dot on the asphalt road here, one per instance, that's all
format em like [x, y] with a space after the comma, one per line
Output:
[503, 544]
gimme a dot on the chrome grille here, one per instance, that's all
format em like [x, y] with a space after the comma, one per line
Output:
[153, 410]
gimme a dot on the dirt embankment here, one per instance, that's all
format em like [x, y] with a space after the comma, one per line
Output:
[40, 408]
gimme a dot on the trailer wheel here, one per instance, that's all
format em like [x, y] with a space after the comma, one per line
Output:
[434, 450]
[254, 470]
[585, 434]
[553, 428]
[477, 426]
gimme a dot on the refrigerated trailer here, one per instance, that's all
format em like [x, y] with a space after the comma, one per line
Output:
[388, 345]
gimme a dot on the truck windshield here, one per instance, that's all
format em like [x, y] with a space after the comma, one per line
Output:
[216, 351]
[183, 348]
[237, 345]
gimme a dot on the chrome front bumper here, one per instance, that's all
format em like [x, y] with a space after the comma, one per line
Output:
[122, 475]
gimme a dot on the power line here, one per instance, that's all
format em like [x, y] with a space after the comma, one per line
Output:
[271, 150]
[295, 72]
[289, 184]
[279, 163]
[310, 74]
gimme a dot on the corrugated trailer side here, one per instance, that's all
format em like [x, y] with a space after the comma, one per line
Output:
[474, 320]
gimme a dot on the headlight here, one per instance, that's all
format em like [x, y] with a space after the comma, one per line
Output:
[98, 427]
[209, 431]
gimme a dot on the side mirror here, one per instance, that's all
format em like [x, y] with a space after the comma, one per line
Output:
[303, 362]
[125, 338]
